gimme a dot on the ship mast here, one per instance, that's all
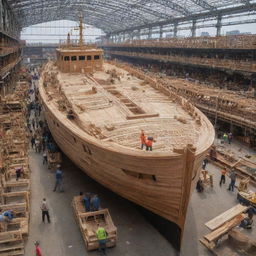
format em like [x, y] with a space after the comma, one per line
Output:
[81, 40]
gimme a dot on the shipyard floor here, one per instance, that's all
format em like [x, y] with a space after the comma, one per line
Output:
[136, 237]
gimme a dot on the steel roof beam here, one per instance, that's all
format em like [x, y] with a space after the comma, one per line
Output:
[196, 16]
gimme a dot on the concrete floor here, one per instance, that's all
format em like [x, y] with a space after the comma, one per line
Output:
[135, 235]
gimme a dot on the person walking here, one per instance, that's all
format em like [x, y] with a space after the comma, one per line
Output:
[232, 177]
[38, 249]
[45, 211]
[223, 176]
[59, 179]
[102, 235]
[32, 142]
[33, 123]
[37, 142]
[44, 158]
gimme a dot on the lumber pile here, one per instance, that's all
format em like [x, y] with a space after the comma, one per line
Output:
[88, 224]
[222, 229]
[14, 191]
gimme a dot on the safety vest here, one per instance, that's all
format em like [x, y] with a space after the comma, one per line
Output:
[101, 234]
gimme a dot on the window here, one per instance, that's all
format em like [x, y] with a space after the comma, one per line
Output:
[66, 58]
[96, 57]
[140, 176]
[89, 57]
[58, 125]
[81, 57]
[73, 58]
[87, 150]
[74, 139]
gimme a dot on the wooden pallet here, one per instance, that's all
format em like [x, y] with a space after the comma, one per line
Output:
[87, 222]
[11, 243]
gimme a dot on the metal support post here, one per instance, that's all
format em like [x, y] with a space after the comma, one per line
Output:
[219, 25]
[193, 28]
[161, 32]
[149, 32]
[175, 29]
[138, 36]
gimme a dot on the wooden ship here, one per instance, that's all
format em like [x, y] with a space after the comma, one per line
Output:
[96, 111]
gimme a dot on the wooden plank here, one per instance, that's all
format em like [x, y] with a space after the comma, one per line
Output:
[217, 233]
[225, 216]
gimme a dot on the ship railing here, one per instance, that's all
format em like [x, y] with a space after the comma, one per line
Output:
[74, 43]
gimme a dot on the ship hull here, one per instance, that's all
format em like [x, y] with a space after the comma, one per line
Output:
[159, 184]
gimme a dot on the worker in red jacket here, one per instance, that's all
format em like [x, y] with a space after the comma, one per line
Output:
[38, 249]
[149, 143]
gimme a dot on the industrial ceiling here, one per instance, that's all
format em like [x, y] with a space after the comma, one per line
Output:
[120, 15]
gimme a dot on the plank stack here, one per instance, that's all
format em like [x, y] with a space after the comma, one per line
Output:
[14, 191]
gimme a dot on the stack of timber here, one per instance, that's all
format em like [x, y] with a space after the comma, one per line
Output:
[88, 223]
[14, 192]
[222, 229]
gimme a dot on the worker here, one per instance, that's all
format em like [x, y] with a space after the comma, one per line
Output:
[95, 203]
[223, 176]
[37, 142]
[59, 179]
[232, 177]
[33, 124]
[45, 211]
[246, 223]
[230, 137]
[205, 162]
[225, 137]
[32, 142]
[102, 235]
[199, 186]
[149, 143]
[38, 249]
[87, 202]
[142, 139]
[44, 158]
[6, 216]
[18, 171]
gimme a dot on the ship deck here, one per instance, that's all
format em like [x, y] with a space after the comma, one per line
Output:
[113, 106]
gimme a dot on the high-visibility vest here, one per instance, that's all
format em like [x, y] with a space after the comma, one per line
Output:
[101, 234]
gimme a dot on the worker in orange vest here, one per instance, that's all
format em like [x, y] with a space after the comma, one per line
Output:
[149, 143]
[142, 139]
